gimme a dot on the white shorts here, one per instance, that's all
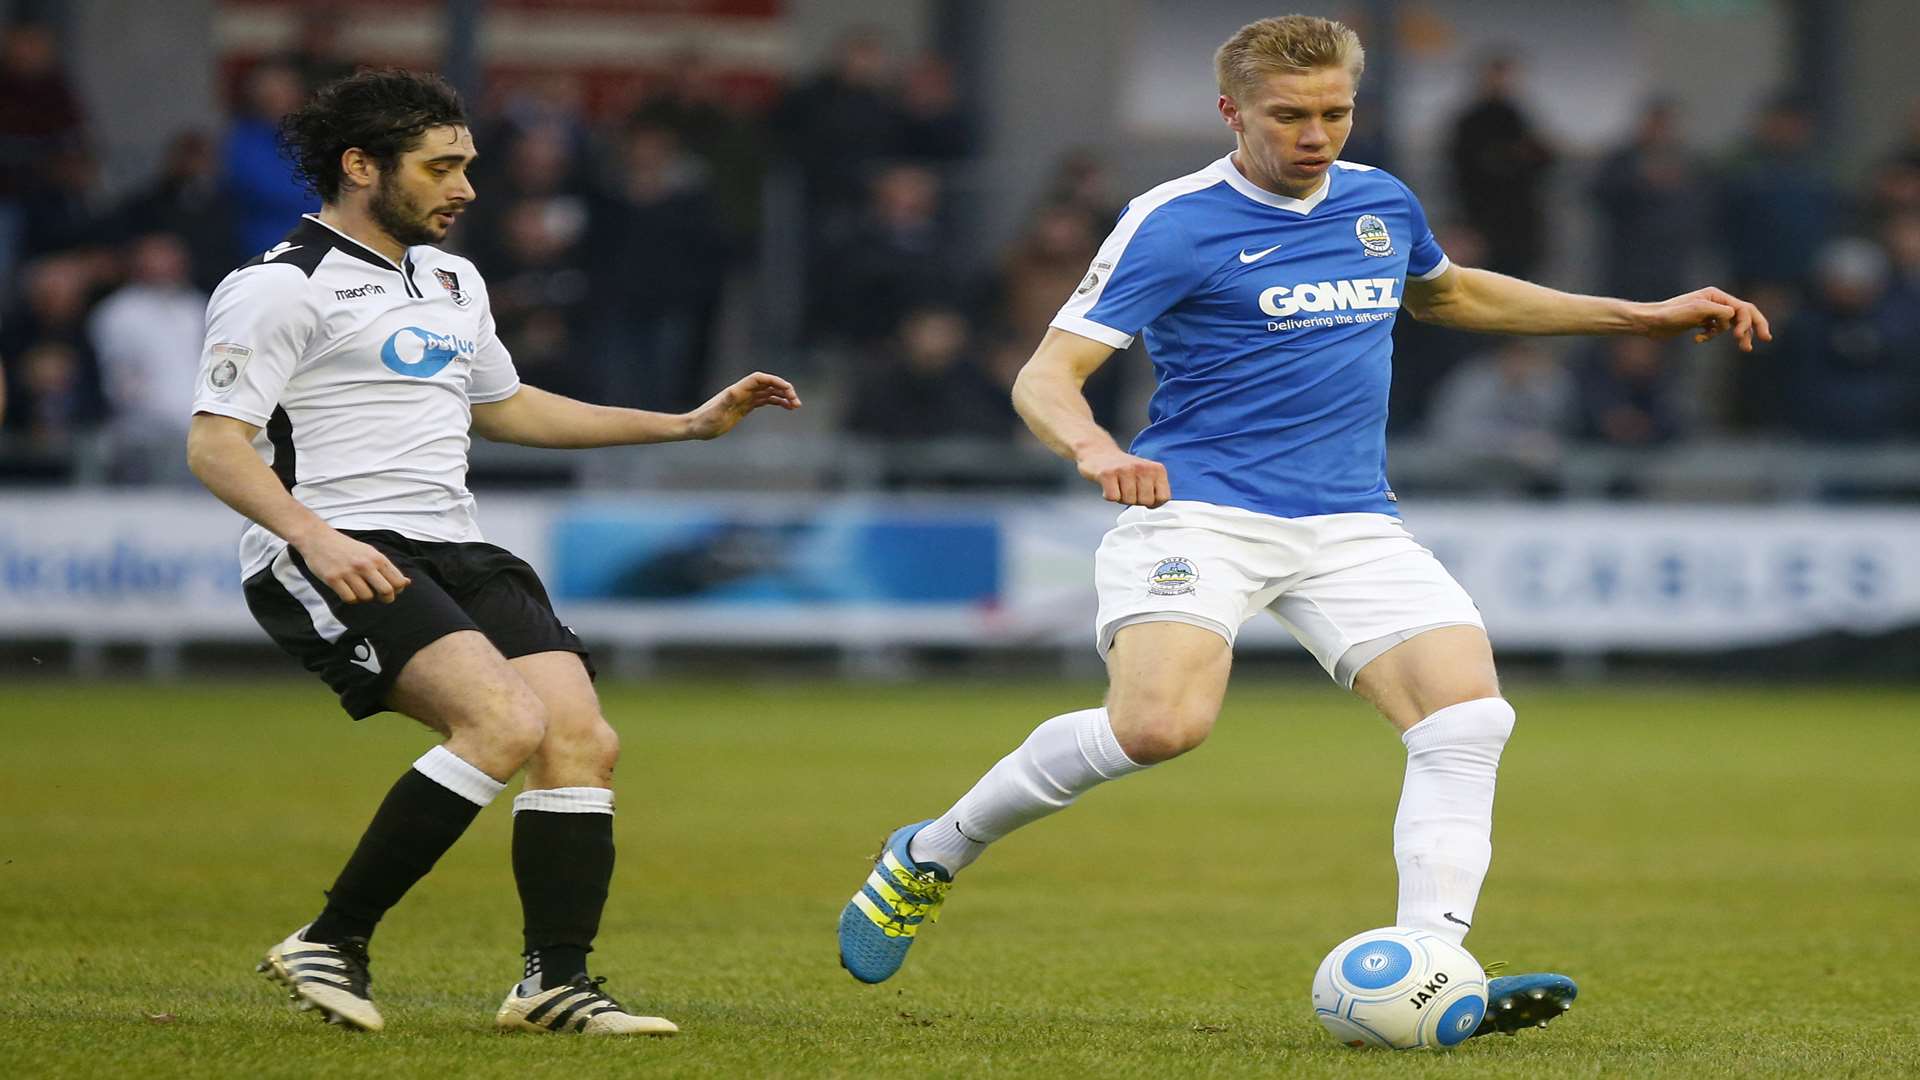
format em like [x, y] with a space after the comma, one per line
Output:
[1347, 586]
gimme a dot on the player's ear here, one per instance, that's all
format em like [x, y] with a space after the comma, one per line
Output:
[357, 167]
[1230, 113]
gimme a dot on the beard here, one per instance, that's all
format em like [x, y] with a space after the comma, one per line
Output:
[402, 218]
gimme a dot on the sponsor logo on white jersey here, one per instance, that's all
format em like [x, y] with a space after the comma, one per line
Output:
[369, 289]
[1353, 294]
[421, 353]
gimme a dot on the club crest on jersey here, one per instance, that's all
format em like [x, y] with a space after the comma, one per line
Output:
[224, 361]
[450, 281]
[1374, 238]
[1172, 576]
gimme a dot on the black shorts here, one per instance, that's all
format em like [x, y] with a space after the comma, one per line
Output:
[359, 648]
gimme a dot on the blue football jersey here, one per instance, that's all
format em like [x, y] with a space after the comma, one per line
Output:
[1269, 323]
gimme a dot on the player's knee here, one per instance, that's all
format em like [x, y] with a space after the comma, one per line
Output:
[518, 727]
[1157, 731]
[604, 746]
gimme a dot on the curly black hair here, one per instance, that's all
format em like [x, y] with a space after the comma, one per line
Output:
[383, 112]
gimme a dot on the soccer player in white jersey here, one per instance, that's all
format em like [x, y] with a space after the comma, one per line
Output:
[1265, 285]
[343, 371]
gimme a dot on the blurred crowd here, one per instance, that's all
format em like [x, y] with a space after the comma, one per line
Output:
[627, 257]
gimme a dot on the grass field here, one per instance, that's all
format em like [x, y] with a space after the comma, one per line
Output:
[1733, 875]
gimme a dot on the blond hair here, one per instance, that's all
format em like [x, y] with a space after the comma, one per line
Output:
[1291, 44]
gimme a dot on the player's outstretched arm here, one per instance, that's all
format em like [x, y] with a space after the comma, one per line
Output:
[1047, 395]
[534, 417]
[220, 452]
[1467, 298]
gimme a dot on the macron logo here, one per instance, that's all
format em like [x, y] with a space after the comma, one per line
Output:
[278, 250]
[1361, 294]
[364, 656]
[1255, 256]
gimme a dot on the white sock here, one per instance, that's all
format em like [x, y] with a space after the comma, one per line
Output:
[1061, 760]
[1443, 834]
[566, 800]
[456, 774]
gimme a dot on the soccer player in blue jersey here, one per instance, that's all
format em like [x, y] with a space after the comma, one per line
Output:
[1266, 286]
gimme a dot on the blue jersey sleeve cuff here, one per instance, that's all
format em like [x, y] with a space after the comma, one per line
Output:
[1087, 328]
[1439, 268]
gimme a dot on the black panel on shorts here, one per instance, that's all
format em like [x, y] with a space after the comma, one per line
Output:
[454, 587]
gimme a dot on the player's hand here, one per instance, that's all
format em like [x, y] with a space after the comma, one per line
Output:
[730, 406]
[1125, 479]
[1708, 313]
[356, 572]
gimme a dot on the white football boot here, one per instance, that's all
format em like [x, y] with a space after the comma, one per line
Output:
[577, 1008]
[330, 979]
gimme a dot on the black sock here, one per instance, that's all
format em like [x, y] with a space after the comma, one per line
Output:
[415, 825]
[563, 864]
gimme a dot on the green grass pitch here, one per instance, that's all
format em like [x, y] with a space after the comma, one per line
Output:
[1732, 874]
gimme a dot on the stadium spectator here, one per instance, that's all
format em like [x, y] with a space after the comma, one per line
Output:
[657, 263]
[1081, 181]
[1902, 235]
[64, 211]
[1893, 187]
[1850, 360]
[933, 126]
[541, 166]
[1629, 393]
[1046, 264]
[258, 180]
[56, 406]
[1424, 354]
[56, 383]
[1506, 415]
[1651, 210]
[924, 384]
[147, 337]
[716, 127]
[186, 200]
[896, 255]
[1500, 169]
[39, 115]
[838, 126]
[1777, 204]
[539, 294]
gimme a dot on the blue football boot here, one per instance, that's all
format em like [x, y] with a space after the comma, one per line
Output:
[878, 925]
[1524, 1001]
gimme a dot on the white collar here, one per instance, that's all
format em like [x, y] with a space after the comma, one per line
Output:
[1238, 181]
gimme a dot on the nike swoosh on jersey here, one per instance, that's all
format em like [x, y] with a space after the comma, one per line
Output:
[1256, 256]
[279, 251]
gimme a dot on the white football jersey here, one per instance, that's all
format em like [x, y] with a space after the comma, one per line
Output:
[362, 375]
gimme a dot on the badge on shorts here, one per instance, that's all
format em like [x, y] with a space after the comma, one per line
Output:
[1173, 576]
[224, 361]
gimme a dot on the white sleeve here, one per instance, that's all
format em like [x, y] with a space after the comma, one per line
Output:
[259, 323]
[494, 377]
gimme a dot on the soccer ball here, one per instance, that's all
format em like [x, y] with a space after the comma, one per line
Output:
[1401, 989]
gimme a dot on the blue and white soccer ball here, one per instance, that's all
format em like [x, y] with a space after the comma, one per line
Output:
[1401, 989]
